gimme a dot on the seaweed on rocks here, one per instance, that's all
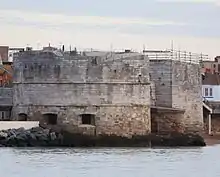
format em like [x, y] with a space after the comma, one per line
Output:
[41, 137]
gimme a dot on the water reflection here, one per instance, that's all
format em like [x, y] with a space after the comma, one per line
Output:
[110, 162]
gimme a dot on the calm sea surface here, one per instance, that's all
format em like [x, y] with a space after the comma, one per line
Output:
[114, 162]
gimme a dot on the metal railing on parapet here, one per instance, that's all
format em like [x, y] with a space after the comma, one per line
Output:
[172, 54]
[175, 55]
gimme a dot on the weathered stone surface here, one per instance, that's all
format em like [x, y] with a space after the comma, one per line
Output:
[115, 89]
[161, 75]
[6, 96]
[125, 121]
[187, 94]
[178, 85]
[120, 120]
[166, 122]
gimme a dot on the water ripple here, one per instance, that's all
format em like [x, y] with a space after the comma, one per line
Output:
[110, 162]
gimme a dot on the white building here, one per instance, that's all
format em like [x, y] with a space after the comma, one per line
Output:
[12, 52]
[211, 104]
[211, 87]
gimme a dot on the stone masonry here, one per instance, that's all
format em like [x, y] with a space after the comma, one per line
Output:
[107, 93]
[187, 94]
[99, 94]
[178, 87]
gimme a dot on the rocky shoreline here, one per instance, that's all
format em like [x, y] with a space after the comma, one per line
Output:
[40, 137]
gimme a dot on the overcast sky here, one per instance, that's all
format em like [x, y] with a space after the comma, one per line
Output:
[192, 25]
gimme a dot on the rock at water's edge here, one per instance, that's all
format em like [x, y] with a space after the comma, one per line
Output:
[40, 137]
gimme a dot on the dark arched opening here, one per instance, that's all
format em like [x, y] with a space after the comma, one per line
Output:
[22, 117]
[88, 119]
[50, 119]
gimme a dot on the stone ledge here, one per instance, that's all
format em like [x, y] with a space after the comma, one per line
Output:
[167, 109]
[84, 83]
[86, 105]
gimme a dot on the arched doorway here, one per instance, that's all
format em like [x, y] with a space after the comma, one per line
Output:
[50, 118]
[22, 117]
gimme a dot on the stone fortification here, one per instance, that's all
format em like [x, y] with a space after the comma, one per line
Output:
[106, 94]
[177, 87]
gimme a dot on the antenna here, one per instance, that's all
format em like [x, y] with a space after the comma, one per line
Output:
[143, 48]
[172, 45]
[179, 55]
[171, 49]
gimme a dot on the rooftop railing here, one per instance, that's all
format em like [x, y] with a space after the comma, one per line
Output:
[175, 55]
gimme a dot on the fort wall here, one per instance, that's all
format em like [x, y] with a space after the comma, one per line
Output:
[115, 91]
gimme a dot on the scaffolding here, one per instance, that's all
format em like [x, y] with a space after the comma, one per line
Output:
[176, 56]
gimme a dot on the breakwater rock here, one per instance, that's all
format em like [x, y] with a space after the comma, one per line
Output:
[40, 137]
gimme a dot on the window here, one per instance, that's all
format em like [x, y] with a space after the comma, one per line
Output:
[210, 92]
[88, 119]
[206, 92]
[51, 119]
